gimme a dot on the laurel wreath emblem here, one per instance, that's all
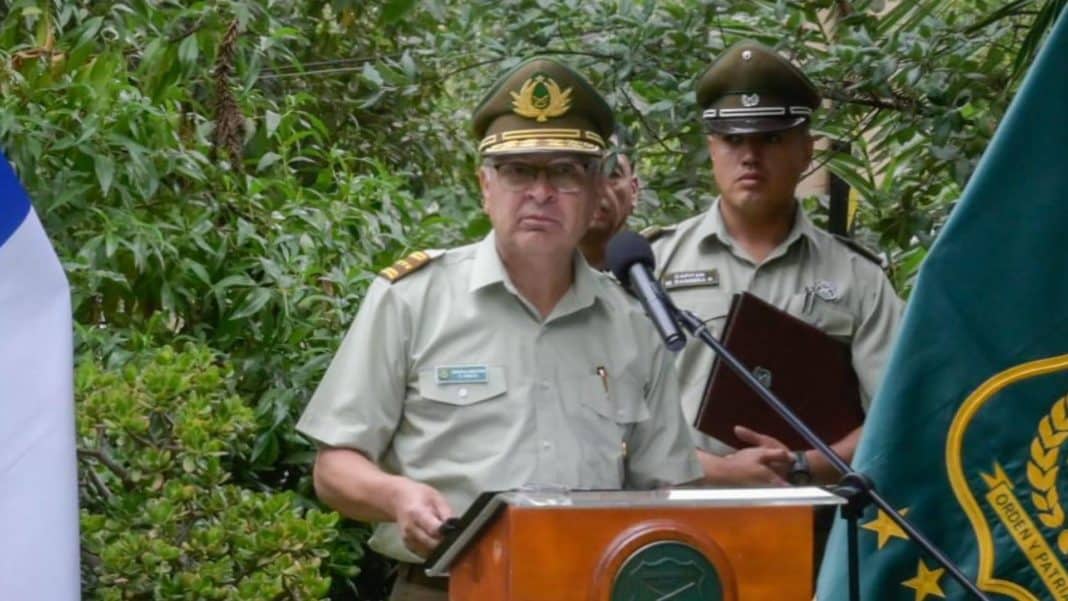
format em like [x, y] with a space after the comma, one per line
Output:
[553, 102]
[1042, 469]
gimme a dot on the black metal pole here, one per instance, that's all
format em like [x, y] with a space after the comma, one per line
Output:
[838, 192]
[855, 490]
[858, 483]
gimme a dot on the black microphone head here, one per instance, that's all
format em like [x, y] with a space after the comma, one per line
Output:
[624, 250]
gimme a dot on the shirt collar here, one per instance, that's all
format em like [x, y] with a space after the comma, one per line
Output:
[584, 289]
[712, 226]
[488, 269]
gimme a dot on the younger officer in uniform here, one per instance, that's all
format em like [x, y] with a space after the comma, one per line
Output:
[617, 202]
[756, 238]
[505, 363]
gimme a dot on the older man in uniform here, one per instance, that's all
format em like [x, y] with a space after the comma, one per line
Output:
[505, 363]
[756, 238]
[620, 195]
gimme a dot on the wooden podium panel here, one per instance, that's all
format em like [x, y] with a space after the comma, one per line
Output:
[575, 553]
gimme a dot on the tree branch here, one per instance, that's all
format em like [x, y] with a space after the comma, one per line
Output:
[855, 133]
[600, 55]
[188, 31]
[900, 105]
[641, 117]
[98, 485]
[107, 462]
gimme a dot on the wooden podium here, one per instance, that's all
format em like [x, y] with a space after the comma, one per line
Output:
[668, 545]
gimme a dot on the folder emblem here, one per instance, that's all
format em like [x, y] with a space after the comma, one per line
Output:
[763, 375]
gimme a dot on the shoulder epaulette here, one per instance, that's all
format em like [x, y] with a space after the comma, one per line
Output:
[860, 249]
[655, 232]
[412, 263]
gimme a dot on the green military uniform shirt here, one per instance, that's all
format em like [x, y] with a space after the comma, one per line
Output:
[448, 377]
[810, 275]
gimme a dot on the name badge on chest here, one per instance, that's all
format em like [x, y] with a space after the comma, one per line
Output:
[691, 279]
[461, 374]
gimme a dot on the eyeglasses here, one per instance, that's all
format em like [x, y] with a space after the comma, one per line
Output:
[564, 176]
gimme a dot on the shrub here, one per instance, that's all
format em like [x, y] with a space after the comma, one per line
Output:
[158, 440]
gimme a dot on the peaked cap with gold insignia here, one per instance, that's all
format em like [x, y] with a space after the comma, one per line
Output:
[750, 88]
[542, 105]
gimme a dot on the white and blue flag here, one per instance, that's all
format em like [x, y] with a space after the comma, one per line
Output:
[39, 551]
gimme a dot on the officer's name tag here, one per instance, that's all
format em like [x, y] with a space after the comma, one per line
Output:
[687, 279]
[462, 374]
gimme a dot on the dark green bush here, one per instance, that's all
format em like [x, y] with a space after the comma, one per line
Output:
[158, 441]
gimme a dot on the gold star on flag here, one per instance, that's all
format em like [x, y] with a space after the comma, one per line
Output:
[926, 582]
[885, 527]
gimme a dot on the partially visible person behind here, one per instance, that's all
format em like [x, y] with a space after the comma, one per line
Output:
[504, 363]
[617, 202]
[756, 238]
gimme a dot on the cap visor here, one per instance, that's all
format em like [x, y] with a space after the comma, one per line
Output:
[755, 125]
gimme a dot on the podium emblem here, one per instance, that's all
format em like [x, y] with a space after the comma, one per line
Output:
[667, 571]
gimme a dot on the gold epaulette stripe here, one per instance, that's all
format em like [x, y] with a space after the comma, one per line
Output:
[405, 266]
[655, 232]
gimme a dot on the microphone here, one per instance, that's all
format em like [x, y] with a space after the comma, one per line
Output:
[630, 258]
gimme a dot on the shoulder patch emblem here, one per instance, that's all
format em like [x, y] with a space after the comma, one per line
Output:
[860, 249]
[655, 232]
[412, 263]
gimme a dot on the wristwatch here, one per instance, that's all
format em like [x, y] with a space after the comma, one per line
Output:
[799, 471]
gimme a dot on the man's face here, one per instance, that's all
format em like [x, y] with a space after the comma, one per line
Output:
[757, 173]
[620, 192]
[539, 203]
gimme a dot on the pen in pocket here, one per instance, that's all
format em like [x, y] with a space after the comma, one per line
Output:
[601, 371]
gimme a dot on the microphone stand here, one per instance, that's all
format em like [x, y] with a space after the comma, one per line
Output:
[855, 487]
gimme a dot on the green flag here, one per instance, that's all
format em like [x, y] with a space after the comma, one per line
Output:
[968, 433]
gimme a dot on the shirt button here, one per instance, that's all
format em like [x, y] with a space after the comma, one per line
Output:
[544, 385]
[546, 445]
[462, 393]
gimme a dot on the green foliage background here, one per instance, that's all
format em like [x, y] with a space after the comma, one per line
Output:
[223, 179]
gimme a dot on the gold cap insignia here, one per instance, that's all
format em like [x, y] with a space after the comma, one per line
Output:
[541, 98]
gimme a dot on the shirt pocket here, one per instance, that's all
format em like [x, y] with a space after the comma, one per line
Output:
[462, 393]
[456, 422]
[608, 408]
[828, 317]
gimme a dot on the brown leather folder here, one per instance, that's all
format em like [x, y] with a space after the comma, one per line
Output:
[808, 370]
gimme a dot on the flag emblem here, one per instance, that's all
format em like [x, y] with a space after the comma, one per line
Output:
[1011, 491]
